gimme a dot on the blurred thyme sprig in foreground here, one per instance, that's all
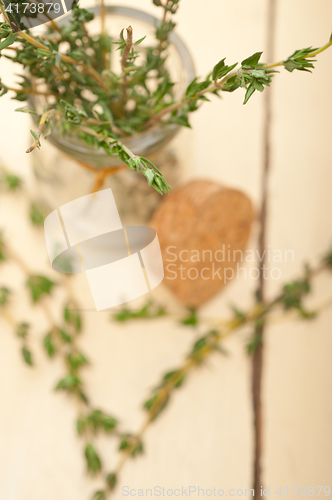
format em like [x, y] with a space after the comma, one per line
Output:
[61, 340]
[291, 297]
[87, 99]
[58, 341]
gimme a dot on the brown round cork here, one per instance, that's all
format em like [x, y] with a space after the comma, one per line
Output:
[203, 229]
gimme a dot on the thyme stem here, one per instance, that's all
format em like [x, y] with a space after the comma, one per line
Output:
[64, 58]
[103, 33]
[124, 61]
[44, 118]
[29, 91]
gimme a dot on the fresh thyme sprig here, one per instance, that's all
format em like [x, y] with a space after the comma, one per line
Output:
[290, 298]
[101, 107]
[9, 181]
[148, 311]
[21, 330]
[59, 341]
[252, 76]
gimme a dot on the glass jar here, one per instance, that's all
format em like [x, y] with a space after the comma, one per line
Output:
[65, 167]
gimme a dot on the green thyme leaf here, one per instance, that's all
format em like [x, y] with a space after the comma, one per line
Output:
[99, 495]
[140, 40]
[92, 459]
[80, 426]
[68, 383]
[2, 249]
[98, 420]
[191, 319]
[148, 311]
[65, 337]
[39, 286]
[327, 260]
[22, 330]
[26, 109]
[37, 213]
[72, 317]
[4, 295]
[8, 41]
[251, 61]
[251, 89]
[49, 345]
[76, 360]
[111, 480]
[238, 314]
[27, 356]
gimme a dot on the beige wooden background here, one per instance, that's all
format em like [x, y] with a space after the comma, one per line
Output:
[205, 436]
